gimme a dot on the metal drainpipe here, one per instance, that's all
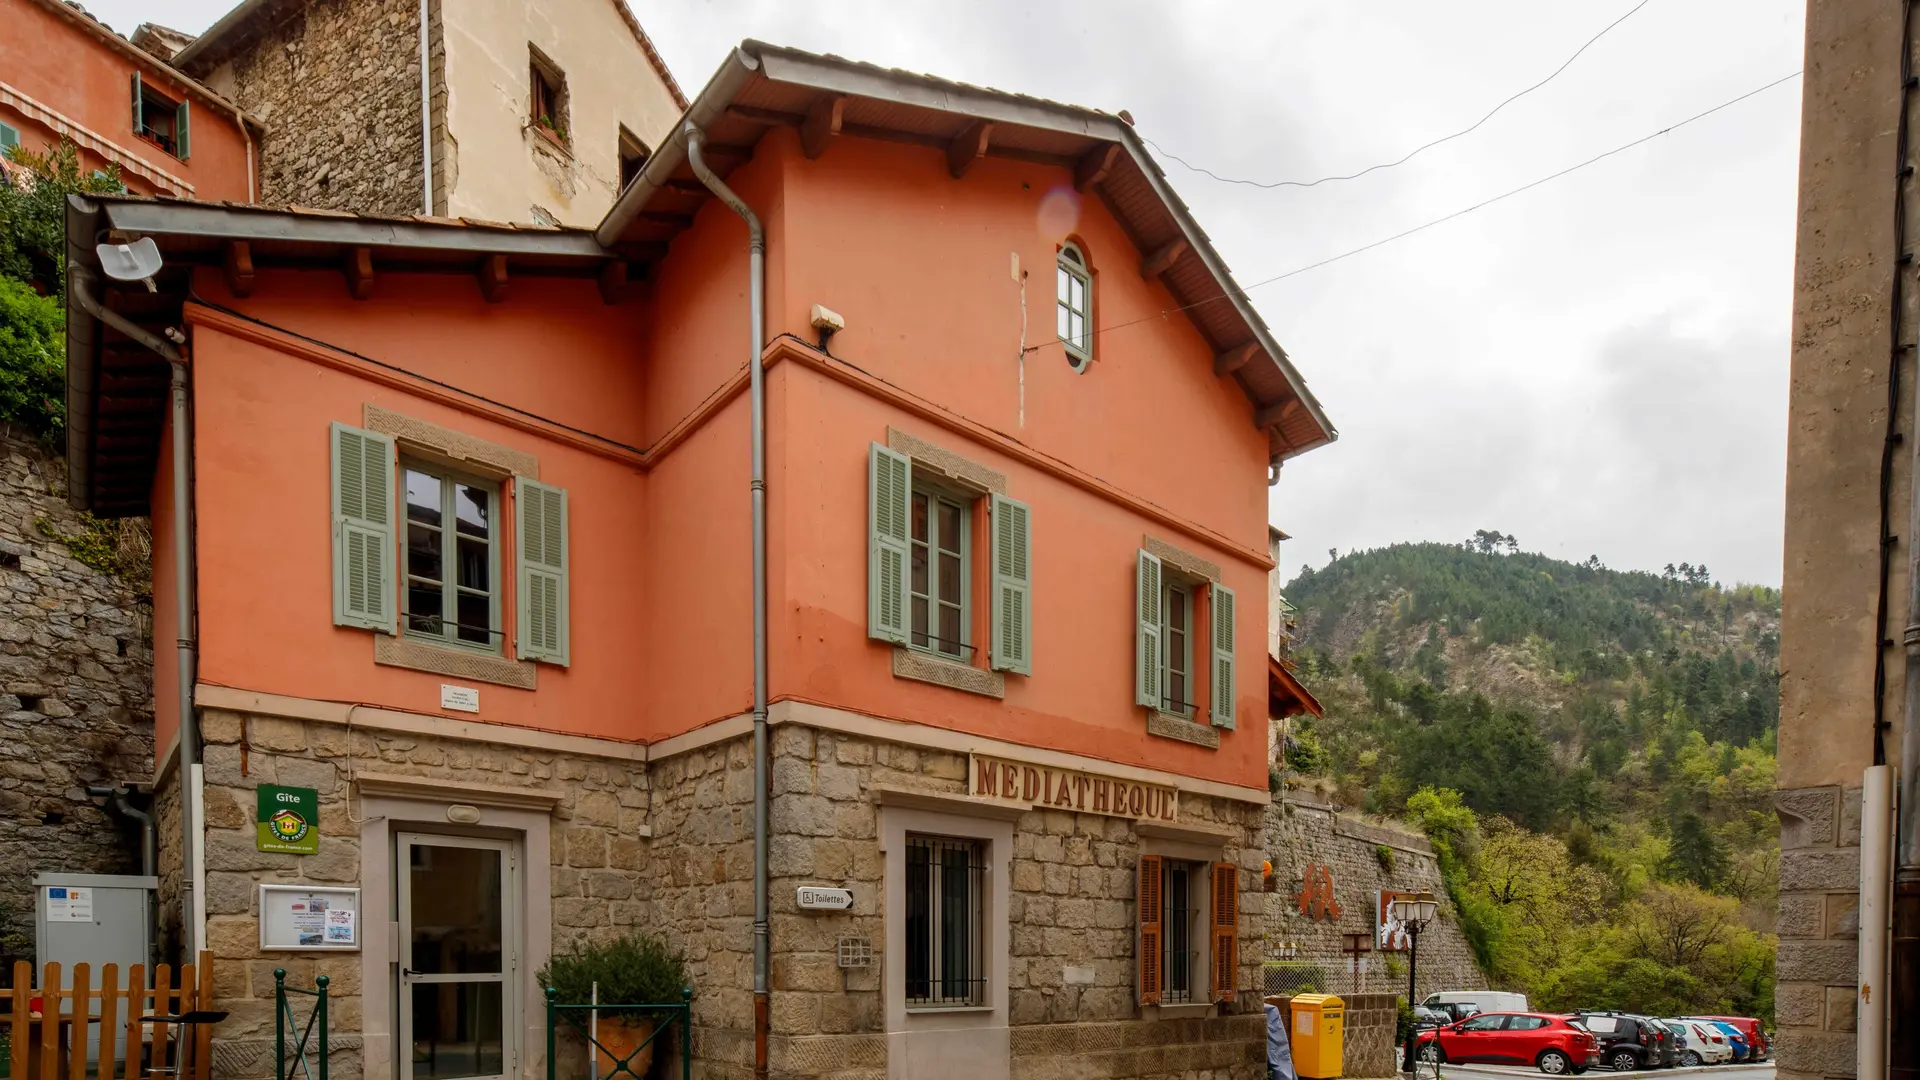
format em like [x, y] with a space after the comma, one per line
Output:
[426, 118]
[80, 287]
[756, 395]
[1902, 1000]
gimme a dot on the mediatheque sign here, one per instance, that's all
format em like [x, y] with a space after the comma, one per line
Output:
[1046, 787]
[289, 820]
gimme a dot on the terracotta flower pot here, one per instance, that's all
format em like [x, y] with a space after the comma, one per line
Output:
[619, 1035]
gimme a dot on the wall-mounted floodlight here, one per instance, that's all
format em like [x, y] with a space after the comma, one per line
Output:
[137, 261]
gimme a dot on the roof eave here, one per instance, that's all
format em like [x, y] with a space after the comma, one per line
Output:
[834, 75]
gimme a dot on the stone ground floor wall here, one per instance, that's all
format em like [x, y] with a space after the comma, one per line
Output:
[1819, 925]
[1301, 947]
[666, 849]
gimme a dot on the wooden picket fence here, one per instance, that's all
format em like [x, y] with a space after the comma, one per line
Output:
[49, 1028]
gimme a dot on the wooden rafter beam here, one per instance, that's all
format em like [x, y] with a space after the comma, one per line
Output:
[613, 281]
[358, 268]
[238, 265]
[1095, 165]
[493, 277]
[1276, 414]
[1161, 259]
[1235, 358]
[968, 147]
[823, 122]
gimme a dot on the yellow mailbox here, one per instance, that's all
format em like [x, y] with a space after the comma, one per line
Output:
[1318, 1035]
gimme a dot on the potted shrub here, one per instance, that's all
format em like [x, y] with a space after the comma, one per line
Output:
[631, 972]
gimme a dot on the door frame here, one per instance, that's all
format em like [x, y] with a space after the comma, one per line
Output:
[512, 936]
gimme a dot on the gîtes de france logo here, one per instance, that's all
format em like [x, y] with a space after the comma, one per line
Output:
[288, 826]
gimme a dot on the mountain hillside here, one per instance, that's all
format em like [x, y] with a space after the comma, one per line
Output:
[1594, 749]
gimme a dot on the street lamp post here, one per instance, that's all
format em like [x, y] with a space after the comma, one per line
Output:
[1413, 912]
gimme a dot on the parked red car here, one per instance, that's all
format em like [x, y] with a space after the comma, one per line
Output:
[1555, 1044]
[1756, 1034]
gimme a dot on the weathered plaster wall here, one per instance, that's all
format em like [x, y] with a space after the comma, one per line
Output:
[338, 84]
[75, 687]
[1838, 424]
[498, 166]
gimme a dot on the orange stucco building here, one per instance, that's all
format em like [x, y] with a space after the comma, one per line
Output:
[63, 74]
[469, 551]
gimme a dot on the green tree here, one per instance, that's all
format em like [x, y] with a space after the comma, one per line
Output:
[32, 359]
[33, 212]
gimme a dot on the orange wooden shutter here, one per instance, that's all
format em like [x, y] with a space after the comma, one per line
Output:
[1148, 896]
[1226, 930]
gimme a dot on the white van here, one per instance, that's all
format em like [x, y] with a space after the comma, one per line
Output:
[1479, 1000]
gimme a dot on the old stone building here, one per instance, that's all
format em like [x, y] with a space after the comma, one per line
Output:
[1844, 695]
[535, 113]
[555, 561]
[76, 678]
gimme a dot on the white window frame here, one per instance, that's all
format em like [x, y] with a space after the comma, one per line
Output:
[1199, 929]
[1070, 267]
[936, 494]
[1175, 591]
[449, 570]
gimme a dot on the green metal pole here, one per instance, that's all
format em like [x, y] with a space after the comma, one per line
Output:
[279, 1025]
[686, 1033]
[321, 984]
[551, 994]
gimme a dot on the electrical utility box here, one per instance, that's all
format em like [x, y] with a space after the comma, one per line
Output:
[93, 919]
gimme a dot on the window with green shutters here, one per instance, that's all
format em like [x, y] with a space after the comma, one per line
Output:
[161, 120]
[362, 524]
[1165, 675]
[9, 138]
[542, 547]
[921, 562]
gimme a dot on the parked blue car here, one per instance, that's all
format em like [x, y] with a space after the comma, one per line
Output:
[1735, 1038]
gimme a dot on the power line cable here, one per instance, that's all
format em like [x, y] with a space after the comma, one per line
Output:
[1243, 290]
[1416, 151]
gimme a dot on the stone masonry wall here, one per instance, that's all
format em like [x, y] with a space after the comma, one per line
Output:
[597, 864]
[1301, 834]
[1072, 904]
[337, 83]
[1819, 927]
[76, 688]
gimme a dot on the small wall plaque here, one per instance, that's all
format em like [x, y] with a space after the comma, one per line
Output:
[459, 698]
[814, 898]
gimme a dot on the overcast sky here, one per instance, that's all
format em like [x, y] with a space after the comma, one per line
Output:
[1597, 366]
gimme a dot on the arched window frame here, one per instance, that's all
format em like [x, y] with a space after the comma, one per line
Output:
[1073, 268]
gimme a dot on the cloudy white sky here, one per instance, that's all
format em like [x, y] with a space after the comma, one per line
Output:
[1598, 366]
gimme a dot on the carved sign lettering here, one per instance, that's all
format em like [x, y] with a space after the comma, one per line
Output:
[1047, 788]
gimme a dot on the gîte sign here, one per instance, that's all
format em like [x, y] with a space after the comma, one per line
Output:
[816, 899]
[1046, 787]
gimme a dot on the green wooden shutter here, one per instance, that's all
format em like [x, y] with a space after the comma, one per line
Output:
[9, 138]
[1222, 656]
[363, 548]
[541, 582]
[889, 501]
[139, 116]
[1146, 632]
[1012, 587]
[181, 118]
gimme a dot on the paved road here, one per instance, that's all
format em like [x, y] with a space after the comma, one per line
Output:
[1763, 1071]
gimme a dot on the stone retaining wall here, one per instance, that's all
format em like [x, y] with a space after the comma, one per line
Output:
[76, 687]
[1303, 834]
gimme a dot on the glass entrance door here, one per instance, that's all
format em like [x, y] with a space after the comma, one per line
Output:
[459, 934]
